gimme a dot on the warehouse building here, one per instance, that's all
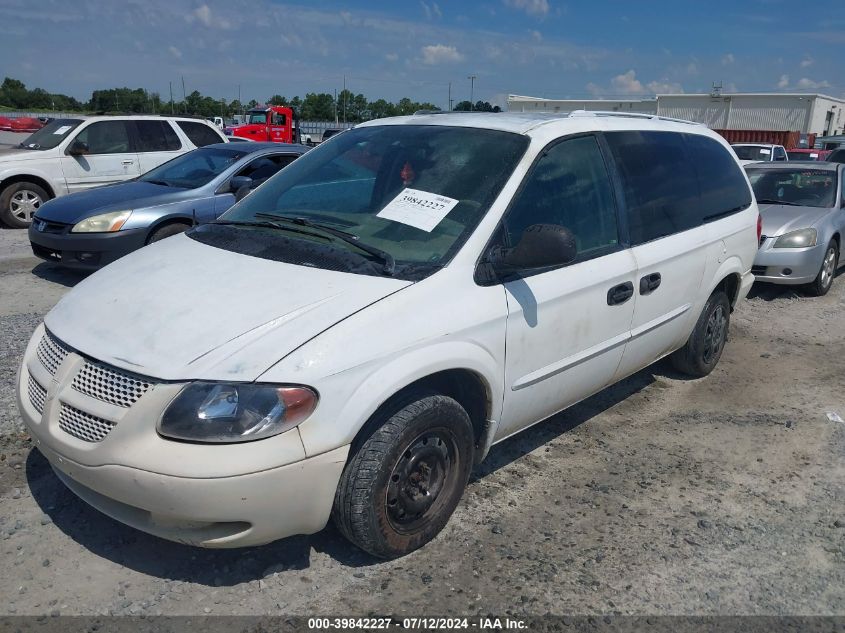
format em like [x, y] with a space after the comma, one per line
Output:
[805, 113]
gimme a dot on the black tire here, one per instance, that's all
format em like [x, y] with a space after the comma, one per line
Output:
[702, 351]
[823, 282]
[19, 202]
[403, 482]
[166, 231]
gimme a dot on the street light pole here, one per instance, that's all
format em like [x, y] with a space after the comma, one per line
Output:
[471, 88]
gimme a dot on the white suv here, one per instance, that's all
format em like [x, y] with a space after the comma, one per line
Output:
[69, 155]
[354, 335]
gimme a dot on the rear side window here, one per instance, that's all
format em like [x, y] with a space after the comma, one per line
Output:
[156, 136]
[660, 183]
[199, 133]
[723, 187]
[675, 182]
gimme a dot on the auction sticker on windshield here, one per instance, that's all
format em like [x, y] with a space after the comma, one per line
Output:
[420, 209]
[62, 129]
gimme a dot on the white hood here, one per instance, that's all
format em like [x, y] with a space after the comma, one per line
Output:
[179, 310]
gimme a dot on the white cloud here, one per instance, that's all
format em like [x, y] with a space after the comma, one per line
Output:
[440, 54]
[531, 7]
[807, 62]
[432, 11]
[728, 59]
[664, 87]
[783, 83]
[391, 57]
[692, 68]
[627, 84]
[175, 52]
[538, 37]
[203, 15]
[808, 84]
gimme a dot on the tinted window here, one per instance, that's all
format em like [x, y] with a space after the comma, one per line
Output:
[659, 181]
[156, 136]
[199, 133]
[262, 168]
[837, 156]
[780, 153]
[568, 186]
[105, 137]
[722, 186]
[753, 152]
[194, 169]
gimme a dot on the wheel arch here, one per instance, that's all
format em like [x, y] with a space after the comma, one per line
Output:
[167, 221]
[36, 180]
[728, 278]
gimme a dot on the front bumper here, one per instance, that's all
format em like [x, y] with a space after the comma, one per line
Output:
[791, 266]
[231, 495]
[83, 251]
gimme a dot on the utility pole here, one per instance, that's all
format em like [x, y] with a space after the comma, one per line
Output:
[344, 99]
[184, 96]
[471, 89]
[450, 96]
[171, 97]
[335, 106]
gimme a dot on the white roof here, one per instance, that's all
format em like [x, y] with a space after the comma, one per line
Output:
[523, 122]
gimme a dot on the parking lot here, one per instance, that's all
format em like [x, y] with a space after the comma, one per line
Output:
[660, 495]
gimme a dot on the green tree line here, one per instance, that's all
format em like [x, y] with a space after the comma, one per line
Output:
[314, 106]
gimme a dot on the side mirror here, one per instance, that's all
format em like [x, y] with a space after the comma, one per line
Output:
[238, 182]
[541, 246]
[77, 148]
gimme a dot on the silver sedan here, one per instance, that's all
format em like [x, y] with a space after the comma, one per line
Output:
[803, 209]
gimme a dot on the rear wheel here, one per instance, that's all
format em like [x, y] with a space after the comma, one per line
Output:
[19, 202]
[702, 351]
[403, 482]
[167, 231]
[824, 280]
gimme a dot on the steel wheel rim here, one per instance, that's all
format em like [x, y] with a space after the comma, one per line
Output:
[714, 334]
[24, 204]
[828, 267]
[421, 479]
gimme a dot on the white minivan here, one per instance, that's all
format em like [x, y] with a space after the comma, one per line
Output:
[70, 155]
[353, 336]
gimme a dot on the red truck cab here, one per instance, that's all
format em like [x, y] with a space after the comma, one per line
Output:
[275, 124]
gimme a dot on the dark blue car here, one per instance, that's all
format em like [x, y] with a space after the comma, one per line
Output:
[89, 229]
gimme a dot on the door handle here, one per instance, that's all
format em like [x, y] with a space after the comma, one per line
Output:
[649, 283]
[129, 162]
[620, 294]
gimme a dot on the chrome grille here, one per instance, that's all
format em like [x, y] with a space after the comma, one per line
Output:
[109, 384]
[83, 426]
[51, 352]
[37, 394]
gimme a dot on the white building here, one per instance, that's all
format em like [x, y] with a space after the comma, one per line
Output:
[806, 113]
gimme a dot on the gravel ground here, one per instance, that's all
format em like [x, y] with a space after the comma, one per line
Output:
[659, 495]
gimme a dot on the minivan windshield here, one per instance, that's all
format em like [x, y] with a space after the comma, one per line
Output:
[193, 169]
[51, 134]
[794, 187]
[413, 192]
[753, 152]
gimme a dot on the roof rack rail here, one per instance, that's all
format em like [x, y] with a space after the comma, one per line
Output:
[630, 115]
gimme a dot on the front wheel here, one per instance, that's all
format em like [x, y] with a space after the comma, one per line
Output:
[403, 482]
[19, 202]
[166, 231]
[702, 351]
[824, 280]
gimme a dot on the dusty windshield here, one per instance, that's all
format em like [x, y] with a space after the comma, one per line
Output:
[257, 117]
[753, 152]
[413, 192]
[794, 187]
[51, 134]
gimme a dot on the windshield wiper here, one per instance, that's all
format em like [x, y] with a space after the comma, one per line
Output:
[389, 263]
[784, 202]
[269, 225]
[159, 182]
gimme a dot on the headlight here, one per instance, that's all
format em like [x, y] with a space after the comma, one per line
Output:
[223, 413]
[103, 223]
[797, 239]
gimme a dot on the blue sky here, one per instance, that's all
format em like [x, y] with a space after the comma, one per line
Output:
[416, 47]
